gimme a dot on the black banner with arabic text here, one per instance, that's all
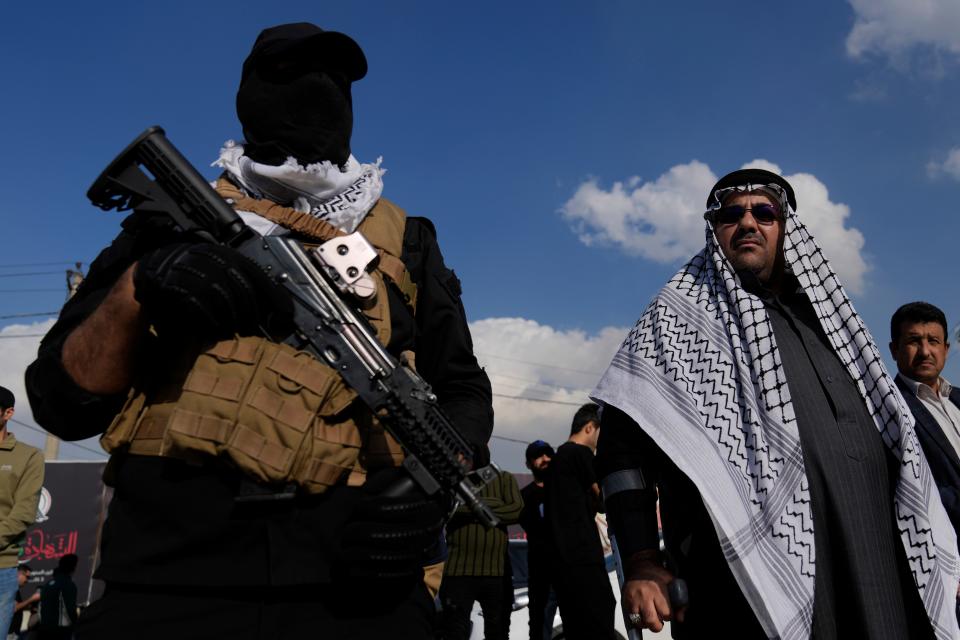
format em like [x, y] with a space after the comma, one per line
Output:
[72, 506]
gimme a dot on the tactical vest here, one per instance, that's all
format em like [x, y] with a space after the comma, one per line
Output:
[278, 414]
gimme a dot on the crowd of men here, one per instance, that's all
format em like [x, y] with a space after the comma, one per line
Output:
[803, 490]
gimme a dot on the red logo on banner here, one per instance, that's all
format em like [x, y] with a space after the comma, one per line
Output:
[49, 546]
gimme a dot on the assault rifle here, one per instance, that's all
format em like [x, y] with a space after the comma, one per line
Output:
[437, 457]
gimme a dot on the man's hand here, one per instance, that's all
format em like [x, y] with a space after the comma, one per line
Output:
[645, 591]
[208, 291]
[392, 527]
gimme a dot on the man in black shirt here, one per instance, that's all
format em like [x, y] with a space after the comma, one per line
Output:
[572, 499]
[751, 400]
[538, 457]
[249, 482]
[58, 602]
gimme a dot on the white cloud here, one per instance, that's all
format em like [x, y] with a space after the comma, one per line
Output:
[18, 348]
[662, 220]
[842, 245]
[894, 27]
[523, 358]
[16, 353]
[553, 369]
[949, 167]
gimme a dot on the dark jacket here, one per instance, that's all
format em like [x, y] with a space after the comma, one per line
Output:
[167, 517]
[58, 601]
[940, 454]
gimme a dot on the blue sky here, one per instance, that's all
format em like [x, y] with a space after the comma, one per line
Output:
[511, 125]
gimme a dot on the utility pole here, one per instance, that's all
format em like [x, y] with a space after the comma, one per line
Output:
[51, 449]
[74, 278]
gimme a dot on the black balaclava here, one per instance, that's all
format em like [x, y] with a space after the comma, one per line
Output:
[294, 97]
[305, 115]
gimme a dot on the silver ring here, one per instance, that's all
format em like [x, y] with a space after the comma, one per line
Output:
[636, 619]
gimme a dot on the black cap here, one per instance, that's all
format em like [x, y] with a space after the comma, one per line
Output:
[538, 448]
[333, 50]
[6, 398]
[757, 177]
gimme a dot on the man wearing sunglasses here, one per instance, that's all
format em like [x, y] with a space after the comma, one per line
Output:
[753, 402]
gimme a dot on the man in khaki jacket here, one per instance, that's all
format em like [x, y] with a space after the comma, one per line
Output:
[21, 477]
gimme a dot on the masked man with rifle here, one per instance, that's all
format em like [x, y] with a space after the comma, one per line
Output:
[255, 496]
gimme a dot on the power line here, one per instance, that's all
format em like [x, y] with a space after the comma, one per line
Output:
[30, 315]
[539, 364]
[31, 273]
[533, 382]
[29, 290]
[499, 386]
[569, 404]
[35, 264]
[511, 439]
[23, 335]
[79, 446]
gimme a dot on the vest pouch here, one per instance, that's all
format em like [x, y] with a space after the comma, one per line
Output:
[335, 444]
[379, 313]
[330, 446]
[277, 414]
[120, 433]
[252, 402]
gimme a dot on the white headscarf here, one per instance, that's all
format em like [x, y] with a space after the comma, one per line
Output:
[701, 373]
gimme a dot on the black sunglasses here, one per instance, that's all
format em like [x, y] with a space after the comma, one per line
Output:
[765, 214]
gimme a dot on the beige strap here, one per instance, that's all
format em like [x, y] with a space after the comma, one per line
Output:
[286, 217]
[382, 227]
[391, 266]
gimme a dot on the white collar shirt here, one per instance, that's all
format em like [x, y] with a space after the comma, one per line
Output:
[940, 407]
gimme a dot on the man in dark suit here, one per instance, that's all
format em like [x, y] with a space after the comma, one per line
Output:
[918, 342]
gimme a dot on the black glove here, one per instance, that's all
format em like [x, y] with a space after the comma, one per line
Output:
[209, 291]
[390, 530]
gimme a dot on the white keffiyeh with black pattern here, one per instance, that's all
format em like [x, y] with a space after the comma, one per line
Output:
[340, 196]
[700, 372]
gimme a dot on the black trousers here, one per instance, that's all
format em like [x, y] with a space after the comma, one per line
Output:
[538, 590]
[405, 610]
[457, 595]
[587, 604]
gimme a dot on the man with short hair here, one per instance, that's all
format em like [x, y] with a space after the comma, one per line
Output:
[542, 606]
[23, 576]
[751, 399]
[21, 479]
[477, 569]
[919, 344]
[572, 499]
